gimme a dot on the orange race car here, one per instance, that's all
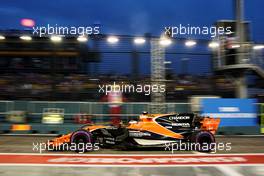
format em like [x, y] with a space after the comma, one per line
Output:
[148, 131]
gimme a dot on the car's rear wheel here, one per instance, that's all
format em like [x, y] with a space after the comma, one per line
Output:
[81, 141]
[203, 140]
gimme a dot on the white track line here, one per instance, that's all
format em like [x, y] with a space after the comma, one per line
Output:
[228, 170]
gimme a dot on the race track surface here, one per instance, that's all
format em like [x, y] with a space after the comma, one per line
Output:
[246, 158]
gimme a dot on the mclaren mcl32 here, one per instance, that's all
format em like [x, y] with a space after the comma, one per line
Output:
[149, 130]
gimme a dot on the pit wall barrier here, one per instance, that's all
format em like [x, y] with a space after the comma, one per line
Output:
[99, 112]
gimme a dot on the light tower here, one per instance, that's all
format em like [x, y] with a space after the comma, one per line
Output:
[241, 85]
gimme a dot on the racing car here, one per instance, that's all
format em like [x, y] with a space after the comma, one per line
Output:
[148, 130]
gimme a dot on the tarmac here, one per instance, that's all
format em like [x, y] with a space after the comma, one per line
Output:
[246, 158]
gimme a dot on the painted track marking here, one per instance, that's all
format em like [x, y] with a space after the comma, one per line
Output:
[130, 160]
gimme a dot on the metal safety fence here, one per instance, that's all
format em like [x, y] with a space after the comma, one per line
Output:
[98, 111]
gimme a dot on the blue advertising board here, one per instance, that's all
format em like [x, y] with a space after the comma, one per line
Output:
[232, 111]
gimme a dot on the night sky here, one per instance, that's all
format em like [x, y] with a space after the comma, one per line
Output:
[129, 16]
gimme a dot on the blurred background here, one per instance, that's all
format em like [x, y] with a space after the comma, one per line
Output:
[52, 85]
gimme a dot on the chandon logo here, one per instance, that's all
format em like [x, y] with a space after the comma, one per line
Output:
[179, 118]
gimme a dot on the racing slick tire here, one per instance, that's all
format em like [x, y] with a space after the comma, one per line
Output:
[82, 140]
[204, 139]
